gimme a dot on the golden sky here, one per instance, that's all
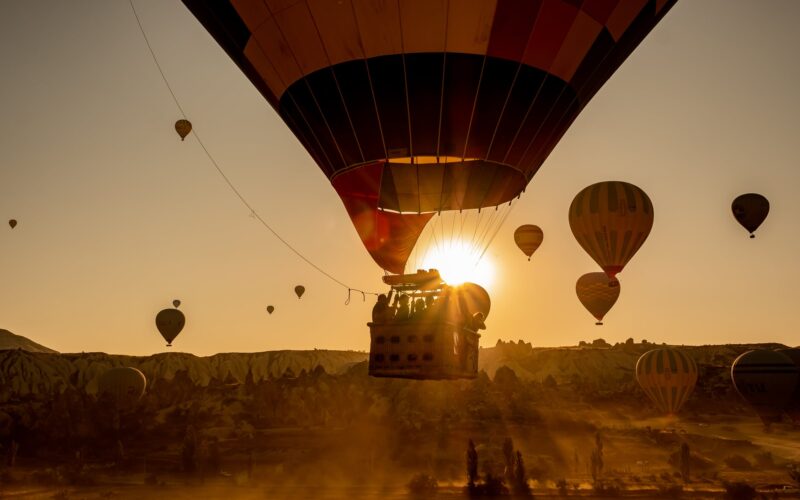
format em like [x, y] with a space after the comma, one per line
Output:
[117, 217]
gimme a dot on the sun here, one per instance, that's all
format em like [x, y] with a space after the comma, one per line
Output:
[460, 262]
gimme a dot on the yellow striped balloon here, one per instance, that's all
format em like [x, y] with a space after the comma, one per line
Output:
[668, 377]
[598, 293]
[611, 220]
[528, 238]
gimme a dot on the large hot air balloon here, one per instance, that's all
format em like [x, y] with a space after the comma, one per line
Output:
[299, 290]
[12, 223]
[183, 127]
[598, 293]
[528, 238]
[750, 210]
[767, 380]
[170, 322]
[611, 220]
[668, 377]
[123, 385]
[420, 106]
[793, 407]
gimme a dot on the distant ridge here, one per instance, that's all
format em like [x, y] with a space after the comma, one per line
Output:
[9, 340]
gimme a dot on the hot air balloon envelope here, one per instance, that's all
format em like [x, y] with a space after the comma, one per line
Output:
[176, 303]
[598, 293]
[299, 290]
[170, 322]
[124, 385]
[270, 309]
[750, 210]
[611, 220]
[668, 377]
[528, 238]
[767, 380]
[12, 223]
[416, 107]
[183, 127]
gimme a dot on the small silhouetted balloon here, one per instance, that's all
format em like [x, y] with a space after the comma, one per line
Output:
[176, 303]
[598, 293]
[12, 223]
[270, 309]
[299, 290]
[528, 238]
[183, 127]
[170, 322]
[750, 210]
[124, 385]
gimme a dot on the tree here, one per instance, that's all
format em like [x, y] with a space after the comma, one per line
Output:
[596, 458]
[550, 382]
[520, 483]
[629, 341]
[794, 474]
[472, 464]
[508, 456]
[189, 450]
[686, 459]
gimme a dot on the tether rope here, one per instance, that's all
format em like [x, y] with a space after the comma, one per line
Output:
[242, 199]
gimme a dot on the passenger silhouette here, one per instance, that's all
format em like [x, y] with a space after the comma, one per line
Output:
[402, 310]
[382, 312]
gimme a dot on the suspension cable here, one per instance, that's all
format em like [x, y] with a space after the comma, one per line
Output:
[239, 195]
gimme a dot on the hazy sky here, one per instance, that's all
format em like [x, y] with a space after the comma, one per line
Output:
[117, 217]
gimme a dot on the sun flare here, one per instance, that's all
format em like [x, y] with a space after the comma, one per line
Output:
[460, 262]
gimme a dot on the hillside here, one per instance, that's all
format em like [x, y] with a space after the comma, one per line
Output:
[9, 340]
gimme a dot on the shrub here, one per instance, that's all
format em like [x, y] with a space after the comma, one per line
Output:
[561, 484]
[670, 491]
[738, 491]
[422, 485]
[738, 462]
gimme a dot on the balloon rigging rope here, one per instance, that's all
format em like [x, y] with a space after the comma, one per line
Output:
[230, 184]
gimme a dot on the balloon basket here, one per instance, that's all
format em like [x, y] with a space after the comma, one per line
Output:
[423, 350]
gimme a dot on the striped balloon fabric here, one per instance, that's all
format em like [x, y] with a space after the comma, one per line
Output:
[611, 220]
[412, 107]
[767, 380]
[668, 377]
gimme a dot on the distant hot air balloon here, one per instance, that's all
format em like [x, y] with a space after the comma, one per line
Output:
[411, 108]
[668, 377]
[124, 385]
[528, 238]
[176, 303]
[611, 220]
[183, 127]
[750, 210]
[767, 380]
[270, 309]
[170, 322]
[598, 293]
[12, 223]
[299, 290]
[793, 407]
